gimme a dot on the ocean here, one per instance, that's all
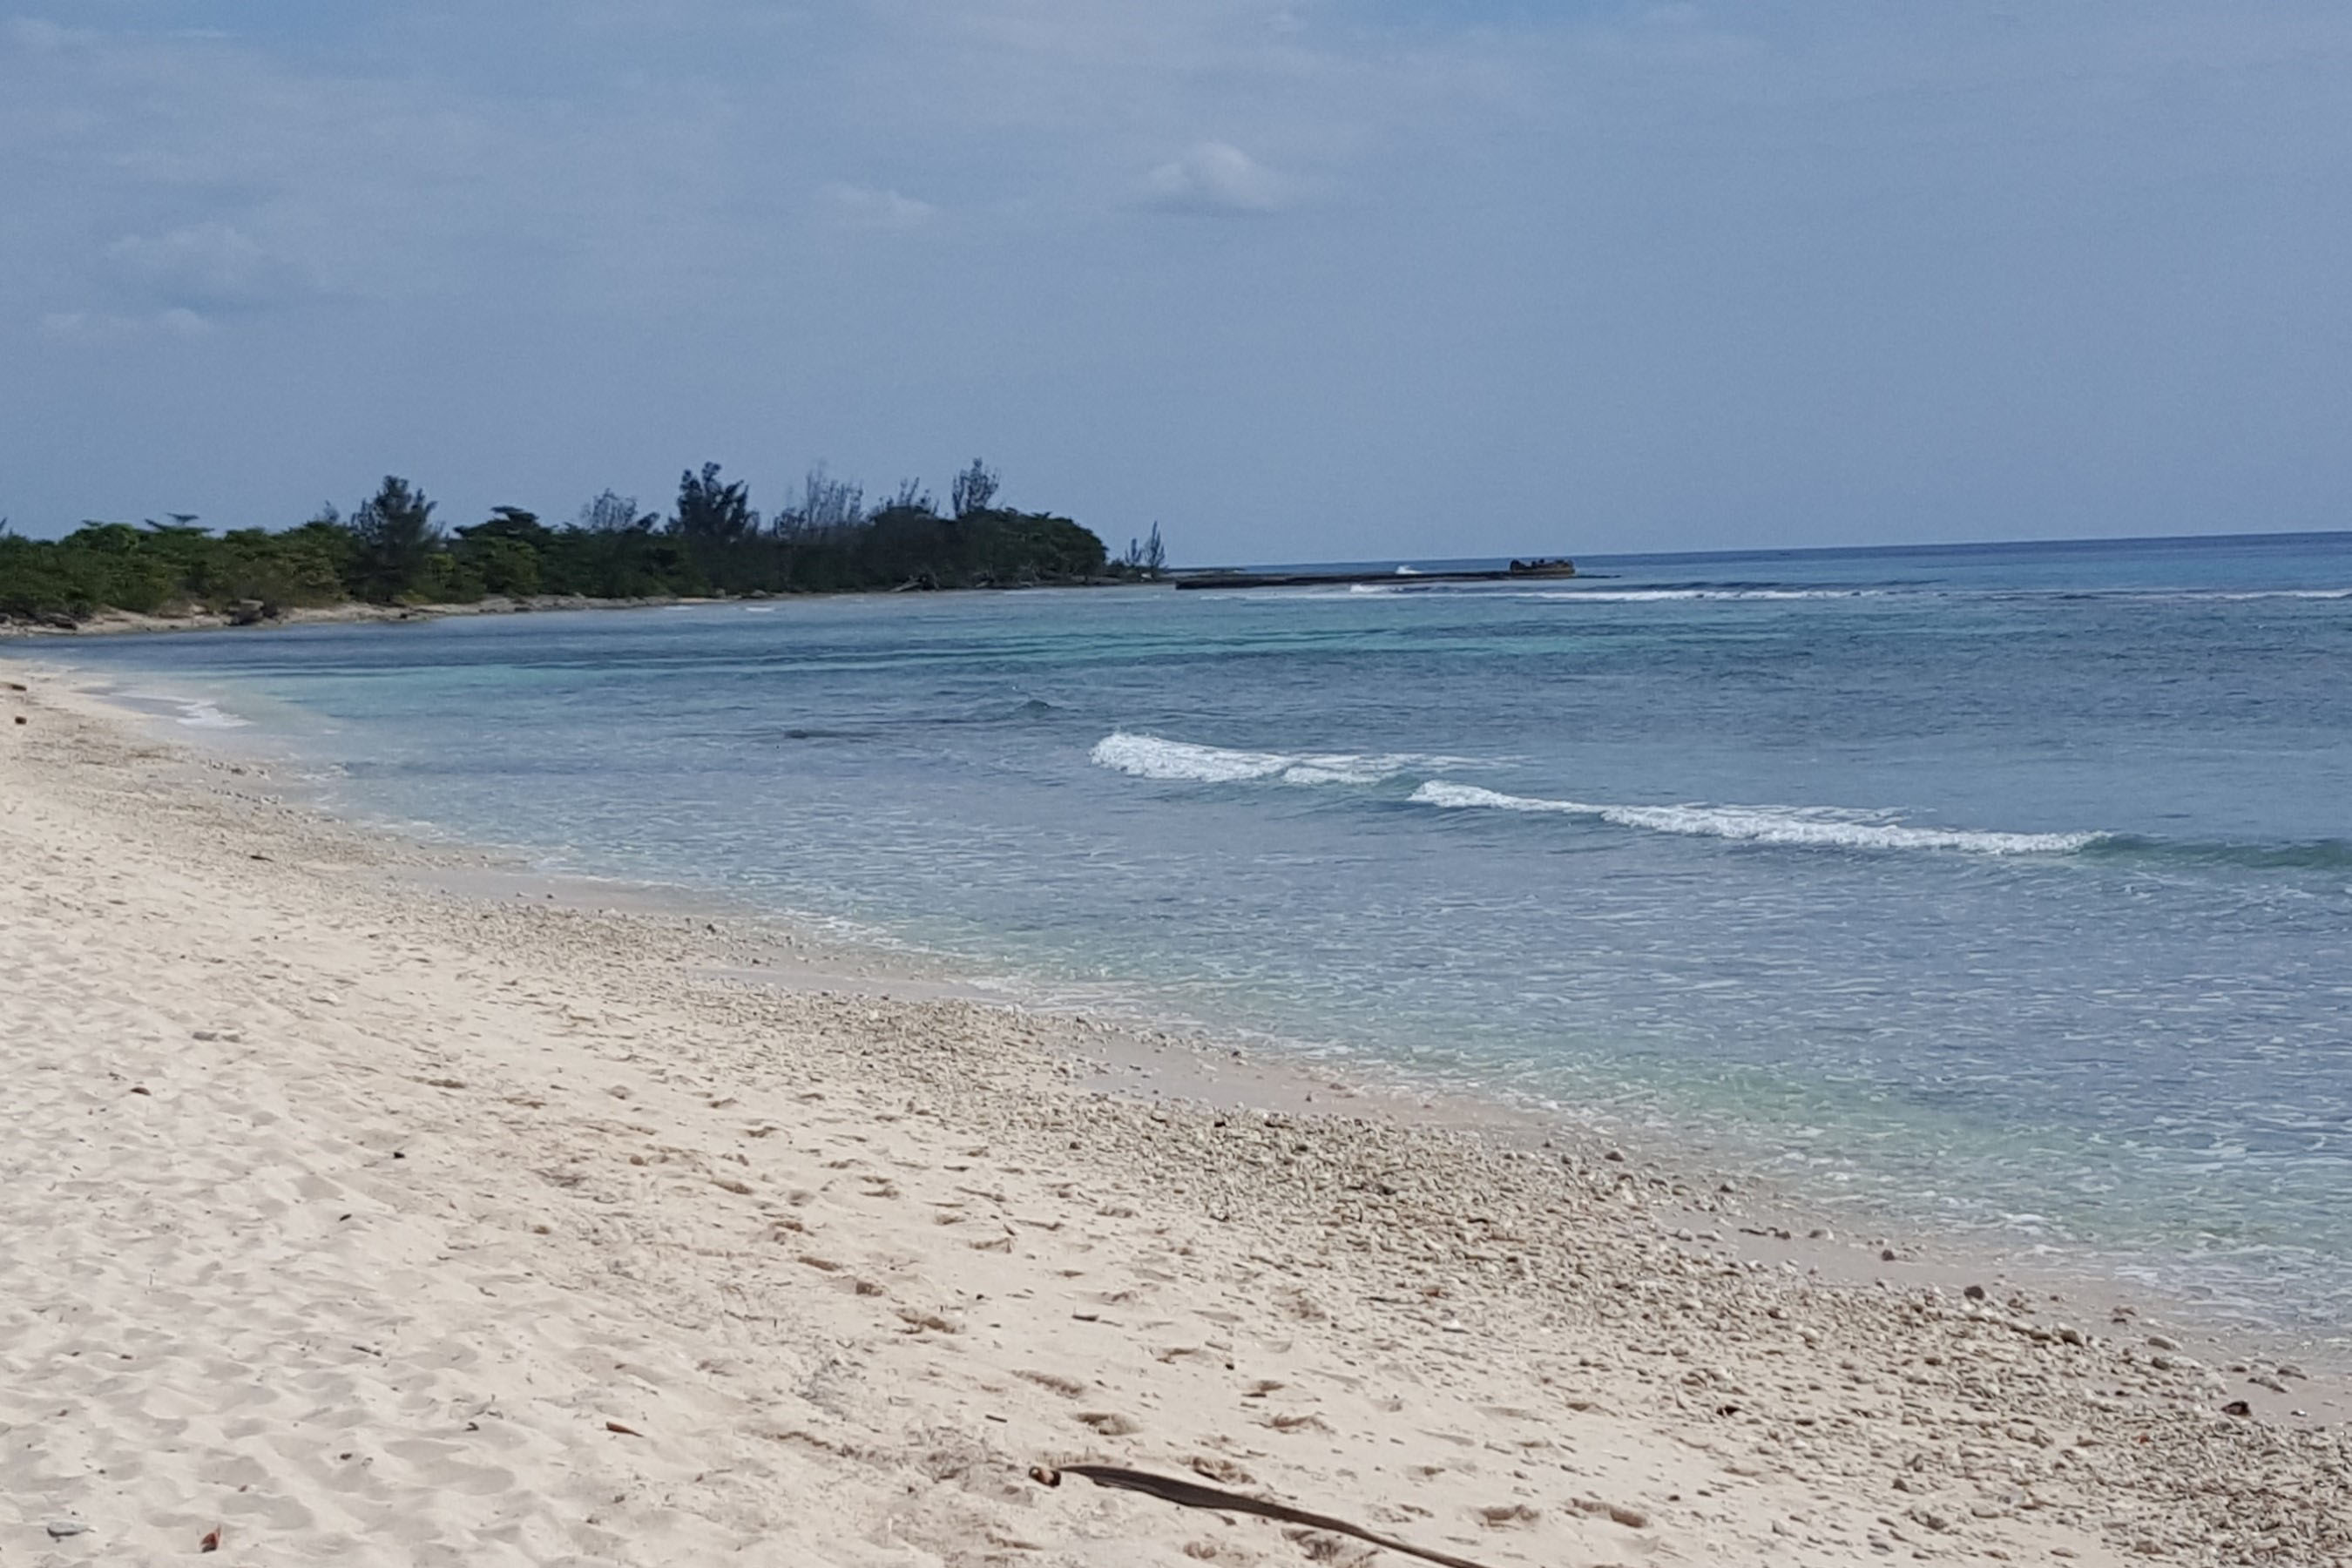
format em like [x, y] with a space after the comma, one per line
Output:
[2005, 889]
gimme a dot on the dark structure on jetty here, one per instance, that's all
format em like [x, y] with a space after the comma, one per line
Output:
[1517, 571]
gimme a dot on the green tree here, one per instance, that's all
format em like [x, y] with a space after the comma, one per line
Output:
[1146, 557]
[973, 490]
[614, 513]
[506, 553]
[395, 539]
[709, 510]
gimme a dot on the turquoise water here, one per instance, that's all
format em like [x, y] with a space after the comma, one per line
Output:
[2000, 887]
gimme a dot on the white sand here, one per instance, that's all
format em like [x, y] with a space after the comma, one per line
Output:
[355, 1220]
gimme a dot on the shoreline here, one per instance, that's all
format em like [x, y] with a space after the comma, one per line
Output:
[1329, 1304]
[110, 622]
[1844, 1241]
[1133, 1056]
[1836, 1235]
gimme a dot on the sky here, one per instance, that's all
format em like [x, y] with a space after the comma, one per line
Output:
[1348, 280]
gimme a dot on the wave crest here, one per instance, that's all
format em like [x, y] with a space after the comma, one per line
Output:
[1801, 826]
[1151, 757]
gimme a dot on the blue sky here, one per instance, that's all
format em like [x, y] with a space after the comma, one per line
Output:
[1298, 280]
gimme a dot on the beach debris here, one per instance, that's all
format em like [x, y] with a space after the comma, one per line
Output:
[62, 1529]
[2237, 1408]
[624, 1431]
[1191, 1494]
[211, 1541]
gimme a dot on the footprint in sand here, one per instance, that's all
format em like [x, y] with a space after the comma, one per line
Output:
[1067, 1387]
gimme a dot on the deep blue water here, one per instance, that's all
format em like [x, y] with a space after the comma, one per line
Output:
[2005, 887]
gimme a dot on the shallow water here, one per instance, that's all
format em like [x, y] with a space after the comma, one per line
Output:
[2003, 886]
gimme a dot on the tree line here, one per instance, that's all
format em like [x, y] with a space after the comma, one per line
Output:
[392, 550]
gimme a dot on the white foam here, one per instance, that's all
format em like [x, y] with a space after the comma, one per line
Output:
[195, 712]
[2274, 594]
[1812, 827]
[1151, 757]
[1502, 589]
[205, 716]
[1663, 595]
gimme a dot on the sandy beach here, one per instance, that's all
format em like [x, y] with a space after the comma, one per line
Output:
[353, 1220]
[110, 622]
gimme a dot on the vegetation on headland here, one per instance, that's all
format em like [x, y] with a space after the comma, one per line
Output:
[392, 550]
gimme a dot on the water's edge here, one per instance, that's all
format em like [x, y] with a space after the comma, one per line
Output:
[1839, 1238]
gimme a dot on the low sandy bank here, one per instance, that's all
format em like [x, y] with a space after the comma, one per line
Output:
[118, 623]
[365, 1223]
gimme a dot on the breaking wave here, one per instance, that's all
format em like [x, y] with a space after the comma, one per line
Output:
[1151, 757]
[1810, 826]
[196, 713]
[1155, 757]
[1503, 589]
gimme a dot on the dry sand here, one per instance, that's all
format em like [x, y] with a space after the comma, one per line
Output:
[362, 1222]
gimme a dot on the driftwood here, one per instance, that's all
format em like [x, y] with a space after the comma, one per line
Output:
[1191, 1494]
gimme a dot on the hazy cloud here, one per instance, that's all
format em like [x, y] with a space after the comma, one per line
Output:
[206, 268]
[34, 33]
[174, 322]
[859, 206]
[1216, 177]
[1637, 274]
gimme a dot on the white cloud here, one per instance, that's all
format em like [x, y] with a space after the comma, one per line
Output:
[35, 35]
[1217, 177]
[859, 206]
[205, 268]
[174, 322]
[1864, 244]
